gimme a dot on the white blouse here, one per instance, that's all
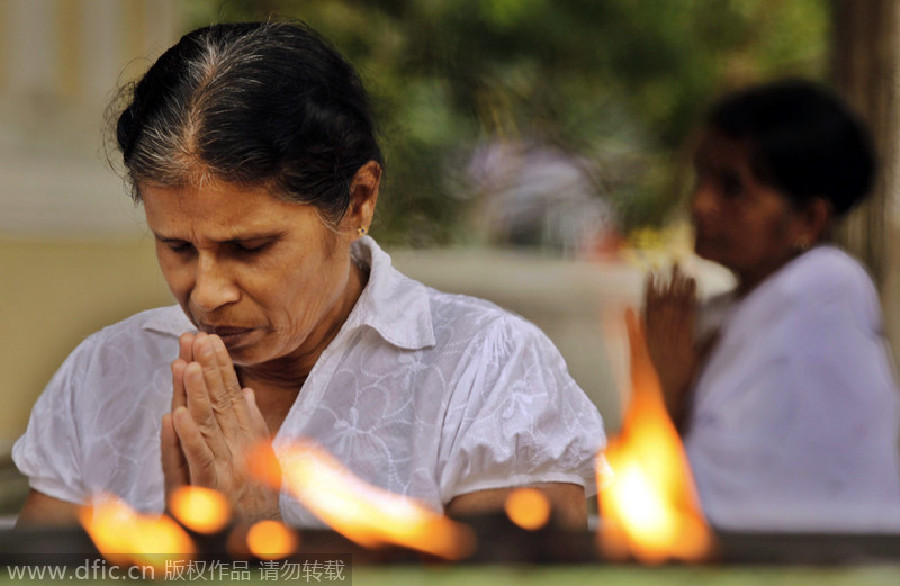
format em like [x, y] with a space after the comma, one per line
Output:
[421, 393]
[796, 416]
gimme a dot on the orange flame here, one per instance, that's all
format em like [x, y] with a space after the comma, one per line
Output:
[365, 514]
[271, 540]
[647, 504]
[528, 508]
[124, 536]
[203, 510]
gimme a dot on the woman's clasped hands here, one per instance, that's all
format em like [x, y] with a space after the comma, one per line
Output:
[213, 429]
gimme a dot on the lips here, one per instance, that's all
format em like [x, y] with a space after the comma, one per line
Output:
[225, 331]
[232, 336]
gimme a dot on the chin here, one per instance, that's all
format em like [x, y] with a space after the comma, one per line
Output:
[254, 355]
[244, 356]
[707, 250]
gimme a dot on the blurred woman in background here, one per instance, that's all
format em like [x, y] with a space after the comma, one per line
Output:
[783, 388]
[253, 150]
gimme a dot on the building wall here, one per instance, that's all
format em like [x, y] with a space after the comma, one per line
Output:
[73, 251]
[60, 63]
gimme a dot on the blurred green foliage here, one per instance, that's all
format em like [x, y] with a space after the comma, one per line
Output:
[620, 83]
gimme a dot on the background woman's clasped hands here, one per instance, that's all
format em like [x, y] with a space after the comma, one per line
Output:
[214, 427]
[670, 306]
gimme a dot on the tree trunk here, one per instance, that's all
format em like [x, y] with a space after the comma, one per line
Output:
[865, 63]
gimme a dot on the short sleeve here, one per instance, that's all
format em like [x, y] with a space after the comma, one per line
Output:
[48, 452]
[516, 417]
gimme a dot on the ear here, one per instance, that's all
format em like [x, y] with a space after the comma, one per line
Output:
[363, 197]
[814, 222]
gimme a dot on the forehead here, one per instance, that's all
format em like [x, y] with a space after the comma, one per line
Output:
[717, 150]
[221, 211]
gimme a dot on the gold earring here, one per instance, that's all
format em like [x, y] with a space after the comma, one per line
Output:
[362, 230]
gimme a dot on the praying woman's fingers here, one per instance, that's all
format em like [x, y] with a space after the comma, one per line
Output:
[200, 409]
[232, 387]
[225, 396]
[212, 374]
[201, 461]
[174, 465]
[185, 346]
[179, 395]
[185, 355]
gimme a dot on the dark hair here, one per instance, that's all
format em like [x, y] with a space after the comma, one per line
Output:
[803, 140]
[251, 103]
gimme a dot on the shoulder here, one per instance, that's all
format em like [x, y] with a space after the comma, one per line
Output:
[461, 317]
[116, 373]
[812, 311]
[405, 310]
[153, 326]
[453, 307]
[166, 321]
[144, 338]
[452, 327]
[497, 355]
[823, 270]
[823, 282]
[828, 282]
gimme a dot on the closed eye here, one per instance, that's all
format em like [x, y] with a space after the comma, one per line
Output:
[251, 247]
[179, 246]
[731, 184]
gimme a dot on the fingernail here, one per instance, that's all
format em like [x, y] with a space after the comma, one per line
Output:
[193, 369]
[200, 343]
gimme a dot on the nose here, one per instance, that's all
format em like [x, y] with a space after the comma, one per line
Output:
[214, 286]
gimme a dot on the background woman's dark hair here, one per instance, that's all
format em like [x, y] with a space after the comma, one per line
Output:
[803, 140]
[251, 103]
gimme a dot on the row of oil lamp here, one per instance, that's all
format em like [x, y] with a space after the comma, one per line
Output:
[199, 519]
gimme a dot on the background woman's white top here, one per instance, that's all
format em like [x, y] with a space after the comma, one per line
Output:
[796, 416]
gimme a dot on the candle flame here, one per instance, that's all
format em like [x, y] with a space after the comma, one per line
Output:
[363, 513]
[124, 536]
[528, 508]
[200, 509]
[271, 540]
[648, 506]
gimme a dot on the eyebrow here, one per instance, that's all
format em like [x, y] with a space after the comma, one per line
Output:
[236, 238]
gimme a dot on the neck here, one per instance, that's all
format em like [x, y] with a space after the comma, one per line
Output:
[747, 282]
